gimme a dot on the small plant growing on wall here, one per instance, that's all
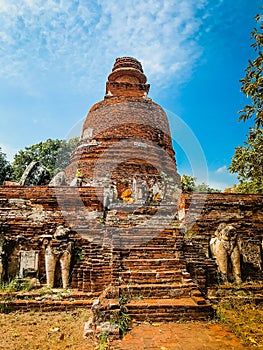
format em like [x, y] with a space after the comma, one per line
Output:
[104, 340]
[121, 318]
[78, 254]
[190, 234]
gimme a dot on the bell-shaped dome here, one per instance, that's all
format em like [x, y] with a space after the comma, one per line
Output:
[126, 136]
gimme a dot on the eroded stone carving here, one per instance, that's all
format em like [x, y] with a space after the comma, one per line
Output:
[59, 179]
[34, 175]
[2, 240]
[87, 134]
[140, 190]
[224, 248]
[28, 263]
[109, 195]
[155, 192]
[76, 182]
[3, 248]
[58, 248]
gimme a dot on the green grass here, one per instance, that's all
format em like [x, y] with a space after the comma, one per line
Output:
[15, 285]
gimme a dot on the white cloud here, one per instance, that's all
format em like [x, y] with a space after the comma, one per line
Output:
[160, 34]
[219, 185]
[3, 6]
[81, 39]
[8, 151]
[221, 178]
[221, 170]
[218, 181]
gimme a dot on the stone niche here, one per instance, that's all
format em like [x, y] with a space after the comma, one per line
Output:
[29, 260]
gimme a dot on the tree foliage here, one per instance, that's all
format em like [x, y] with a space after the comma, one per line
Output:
[247, 162]
[53, 154]
[248, 159]
[252, 83]
[189, 185]
[5, 168]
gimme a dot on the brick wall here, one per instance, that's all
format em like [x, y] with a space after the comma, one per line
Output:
[134, 131]
[201, 214]
[29, 213]
[204, 212]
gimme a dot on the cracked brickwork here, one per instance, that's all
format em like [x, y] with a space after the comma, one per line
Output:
[126, 133]
[124, 226]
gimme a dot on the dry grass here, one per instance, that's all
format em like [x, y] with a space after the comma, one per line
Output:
[44, 331]
[64, 330]
[245, 320]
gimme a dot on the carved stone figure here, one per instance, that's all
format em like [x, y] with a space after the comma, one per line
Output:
[224, 247]
[139, 189]
[58, 248]
[155, 193]
[109, 195]
[35, 175]
[77, 181]
[2, 240]
[59, 179]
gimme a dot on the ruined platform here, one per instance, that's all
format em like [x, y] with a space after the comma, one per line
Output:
[119, 232]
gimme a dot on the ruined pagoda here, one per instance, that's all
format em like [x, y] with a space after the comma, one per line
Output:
[136, 248]
[112, 229]
[126, 137]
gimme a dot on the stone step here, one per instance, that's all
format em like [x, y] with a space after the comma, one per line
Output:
[150, 264]
[43, 305]
[153, 276]
[162, 291]
[171, 310]
[55, 294]
[143, 239]
[48, 300]
[138, 252]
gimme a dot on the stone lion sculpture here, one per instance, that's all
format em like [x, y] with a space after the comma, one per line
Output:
[224, 248]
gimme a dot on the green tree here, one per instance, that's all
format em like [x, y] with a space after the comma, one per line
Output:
[203, 187]
[252, 83]
[53, 154]
[189, 185]
[248, 159]
[247, 162]
[5, 169]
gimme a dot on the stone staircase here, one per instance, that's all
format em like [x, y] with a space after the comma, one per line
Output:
[154, 284]
[45, 300]
[140, 269]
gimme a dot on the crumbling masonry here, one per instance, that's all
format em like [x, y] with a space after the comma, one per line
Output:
[123, 227]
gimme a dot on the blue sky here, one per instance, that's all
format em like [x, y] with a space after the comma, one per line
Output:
[55, 56]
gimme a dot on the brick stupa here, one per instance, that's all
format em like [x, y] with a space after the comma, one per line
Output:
[114, 236]
[136, 248]
[126, 136]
